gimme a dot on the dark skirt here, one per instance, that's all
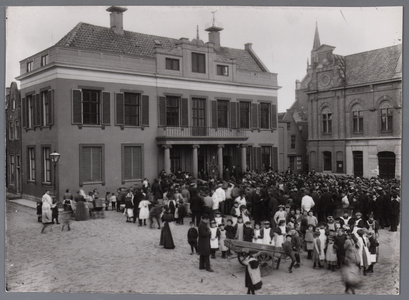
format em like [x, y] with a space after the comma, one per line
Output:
[166, 239]
[81, 212]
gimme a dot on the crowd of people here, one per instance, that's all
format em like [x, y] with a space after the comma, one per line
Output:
[334, 219]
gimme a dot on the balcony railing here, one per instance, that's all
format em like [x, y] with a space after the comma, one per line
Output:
[200, 132]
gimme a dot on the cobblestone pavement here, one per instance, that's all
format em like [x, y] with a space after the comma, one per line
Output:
[112, 256]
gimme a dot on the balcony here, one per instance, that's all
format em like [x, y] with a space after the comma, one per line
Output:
[193, 134]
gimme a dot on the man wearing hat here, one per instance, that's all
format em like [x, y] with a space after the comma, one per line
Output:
[203, 245]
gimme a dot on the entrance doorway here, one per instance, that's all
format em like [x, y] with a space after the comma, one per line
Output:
[386, 162]
[358, 163]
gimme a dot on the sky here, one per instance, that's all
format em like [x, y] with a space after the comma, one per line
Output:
[282, 37]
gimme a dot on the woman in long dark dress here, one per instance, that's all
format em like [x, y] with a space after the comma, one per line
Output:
[166, 239]
[81, 212]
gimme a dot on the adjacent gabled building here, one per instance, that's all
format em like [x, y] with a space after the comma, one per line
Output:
[354, 111]
[120, 106]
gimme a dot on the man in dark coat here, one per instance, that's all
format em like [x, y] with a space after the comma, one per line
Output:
[203, 245]
[394, 212]
[196, 206]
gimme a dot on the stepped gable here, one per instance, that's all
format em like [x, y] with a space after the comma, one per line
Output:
[98, 38]
[372, 66]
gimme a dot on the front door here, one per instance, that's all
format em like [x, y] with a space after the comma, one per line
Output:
[199, 117]
[386, 161]
[358, 163]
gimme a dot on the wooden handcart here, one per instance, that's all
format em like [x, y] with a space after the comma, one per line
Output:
[269, 256]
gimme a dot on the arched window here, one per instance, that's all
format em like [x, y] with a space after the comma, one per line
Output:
[357, 119]
[326, 121]
[386, 116]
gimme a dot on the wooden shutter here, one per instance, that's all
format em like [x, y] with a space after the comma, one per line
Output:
[214, 114]
[145, 110]
[259, 160]
[233, 114]
[275, 159]
[24, 114]
[254, 115]
[41, 120]
[50, 101]
[120, 109]
[162, 111]
[96, 164]
[136, 163]
[106, 108]
[37, 110]
[76, 107]
[254, 158]
[127, 163]
[273, 116]
[185, 113]
[86, 164]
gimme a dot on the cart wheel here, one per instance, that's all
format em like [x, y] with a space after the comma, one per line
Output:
[266, 262]
[241, 257]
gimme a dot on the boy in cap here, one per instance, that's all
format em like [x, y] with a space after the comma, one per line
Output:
[296, 244]
[192, 235]
[288, 249]
[248, 232]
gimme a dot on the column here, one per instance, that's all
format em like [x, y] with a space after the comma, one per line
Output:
[166, 160]
[243, 158]
[194, 162]
[220, 159]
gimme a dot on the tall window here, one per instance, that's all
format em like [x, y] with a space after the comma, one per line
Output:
[326, 121]
[293, 142]
[172, 64]
[45, 108]
[244, 115]
[31, 164]
[264, 115]
[90, 107]
[11, 131]
[30, 111]
[12, 168]
[386, 116]
[132, 109]
[29, 66]
[17, 133]
[222, 70]
[198, 112]
[327, 161]
[46, 165]
[91, 164]
[222, 113]
[266, 156]
[358, 121]
[44, 60]
[172, 111]
[198, 63]
[132, 162]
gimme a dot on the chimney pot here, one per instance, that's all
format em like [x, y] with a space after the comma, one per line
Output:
[116, 18]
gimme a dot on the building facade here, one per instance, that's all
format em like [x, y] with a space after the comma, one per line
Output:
[120, 106]
[354, 111]
[13, 140]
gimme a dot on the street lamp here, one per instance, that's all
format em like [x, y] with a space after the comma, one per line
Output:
[54, 158]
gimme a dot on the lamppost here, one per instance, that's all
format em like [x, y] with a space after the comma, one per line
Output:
[54, 158]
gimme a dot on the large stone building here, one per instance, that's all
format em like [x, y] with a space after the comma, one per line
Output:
[354, 111]
[120, 106]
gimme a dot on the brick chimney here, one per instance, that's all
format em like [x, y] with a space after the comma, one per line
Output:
[116, 18]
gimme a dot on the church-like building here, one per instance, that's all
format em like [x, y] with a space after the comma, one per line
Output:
[354, 111]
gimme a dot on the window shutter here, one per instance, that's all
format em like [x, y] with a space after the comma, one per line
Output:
[96, 164]
[233, 114]
[185, 113]
[127, 163]
[76, 107]
[273, 116]
[137, 163]
[37, 110]
[254, 158]
[24, 114]
[275, 159]
[254, 115]
[120, 113]
[106, 108]
[145, 110]
[259, 163]
[86, 164]
[162, 111]
[41, 109]
[214, 114]
[50, 101]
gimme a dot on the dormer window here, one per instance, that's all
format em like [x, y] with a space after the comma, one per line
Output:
[198, 63]
[222, 70]
[157, 43]
[172, 64]
[44, 60]
[29, 66]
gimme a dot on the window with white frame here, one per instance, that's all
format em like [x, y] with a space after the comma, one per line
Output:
[31, 164]
[46, 165]
[326, 121]
[386, 116]
[357, 119]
